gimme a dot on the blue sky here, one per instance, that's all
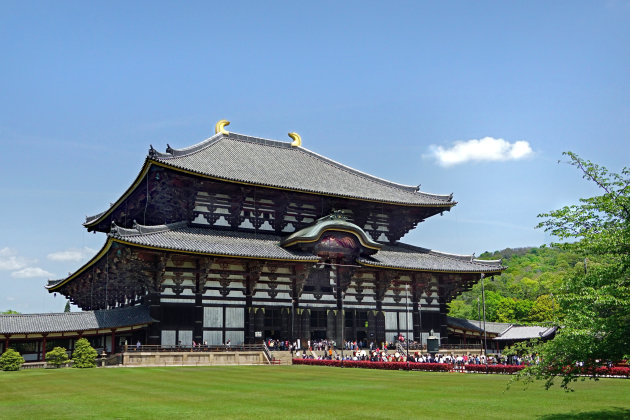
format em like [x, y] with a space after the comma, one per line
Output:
[86, 87]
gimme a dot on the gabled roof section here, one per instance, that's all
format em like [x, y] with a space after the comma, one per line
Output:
[333, 222]
[74, 321]
[270, 163]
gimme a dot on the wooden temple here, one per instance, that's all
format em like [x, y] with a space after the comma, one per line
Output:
[241, 239]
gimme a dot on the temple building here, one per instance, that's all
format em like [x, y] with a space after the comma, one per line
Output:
[239, 239]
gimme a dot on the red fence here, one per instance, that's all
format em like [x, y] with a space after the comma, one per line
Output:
[445, 367]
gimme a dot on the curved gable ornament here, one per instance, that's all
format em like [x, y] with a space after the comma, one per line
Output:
[220, 127]
[297, 140]
[333, 237]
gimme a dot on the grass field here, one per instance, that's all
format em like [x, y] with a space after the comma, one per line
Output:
[273, 392]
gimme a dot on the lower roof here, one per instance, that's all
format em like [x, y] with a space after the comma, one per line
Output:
[503, 331]
[75, 321]
[180, 237]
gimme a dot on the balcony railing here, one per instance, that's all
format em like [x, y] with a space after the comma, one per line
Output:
[190, 348]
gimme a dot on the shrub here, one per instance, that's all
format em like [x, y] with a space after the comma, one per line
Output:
[57, 356]
[11, 360]
[84, 355]
[509, 369]
[432, 367]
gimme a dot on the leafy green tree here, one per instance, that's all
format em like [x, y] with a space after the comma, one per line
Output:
[11, 360]
[67, 307]
[505, 310]
[84, 355]
[10, 312]
[595, 296]
[57, 356]
[543, 309]
[522, 309]
[460, 309]
[531, 273]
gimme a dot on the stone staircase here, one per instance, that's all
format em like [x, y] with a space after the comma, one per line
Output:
[284, 357]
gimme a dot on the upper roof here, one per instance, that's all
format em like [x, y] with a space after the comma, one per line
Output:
[257, 161]
[74, 321]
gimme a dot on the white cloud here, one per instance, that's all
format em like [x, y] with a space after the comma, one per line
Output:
[10, 260]
[73, 254]
[486, 149]
[29, 272]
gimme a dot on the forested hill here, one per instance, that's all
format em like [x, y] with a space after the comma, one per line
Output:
[524, 292]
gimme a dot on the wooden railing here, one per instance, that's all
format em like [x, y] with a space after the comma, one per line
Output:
[460, 347]
[181, 348]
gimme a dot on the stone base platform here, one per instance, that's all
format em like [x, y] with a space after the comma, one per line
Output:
[187, 358]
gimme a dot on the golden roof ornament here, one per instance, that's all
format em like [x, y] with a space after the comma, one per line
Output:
[220, 127]
[297, 140]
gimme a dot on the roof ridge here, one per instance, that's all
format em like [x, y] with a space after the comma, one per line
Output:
[48, 314]
[142, 230]
[171, 152]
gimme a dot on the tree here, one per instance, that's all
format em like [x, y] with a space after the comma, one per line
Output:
[57, 356]
[84, 355]
[67, 307]
[11, 360]
[10, 312]
[543, 309]
[595, 296]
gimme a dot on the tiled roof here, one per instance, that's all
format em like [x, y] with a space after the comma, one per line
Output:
[493, 327]
[180, 237]
[415, 258]
[526, 332]
[461, 323]
[74, 321]
[257, 161]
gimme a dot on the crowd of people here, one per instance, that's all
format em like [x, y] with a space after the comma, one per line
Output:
[383, 355]
[369, 351]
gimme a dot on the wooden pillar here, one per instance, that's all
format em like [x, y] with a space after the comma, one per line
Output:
[6, 342]
[113, 340]
[154, 330]
[198, 311]
[44, 348]
[254, 270]
[443, 323]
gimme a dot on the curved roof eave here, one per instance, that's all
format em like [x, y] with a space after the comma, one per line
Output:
[81, 270]
[101, 216]
[431, 270]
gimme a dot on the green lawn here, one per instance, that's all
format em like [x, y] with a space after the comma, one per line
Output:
[273, 392]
